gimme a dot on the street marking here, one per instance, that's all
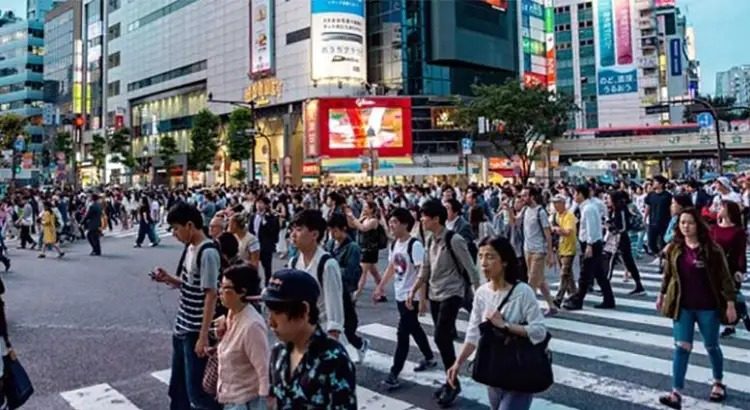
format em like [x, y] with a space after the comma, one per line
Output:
[98, 397]
[162, 375]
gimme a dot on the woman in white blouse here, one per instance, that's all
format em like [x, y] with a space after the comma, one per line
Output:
[520, 316]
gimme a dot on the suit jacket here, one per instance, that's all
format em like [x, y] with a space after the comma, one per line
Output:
[463, 228]
[93, 218]
[268, 234]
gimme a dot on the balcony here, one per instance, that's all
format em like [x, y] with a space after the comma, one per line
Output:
[645, 23]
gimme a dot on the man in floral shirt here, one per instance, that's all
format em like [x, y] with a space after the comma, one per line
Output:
[309, 370]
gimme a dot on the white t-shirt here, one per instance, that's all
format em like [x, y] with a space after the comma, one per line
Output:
[730, 196]
[405, 271]
[248, 245]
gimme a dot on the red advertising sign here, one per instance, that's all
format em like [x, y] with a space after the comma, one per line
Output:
[534, 79]
[311, 146]
[350, 126]
[664, 3]
[119, 121]
[498, 4]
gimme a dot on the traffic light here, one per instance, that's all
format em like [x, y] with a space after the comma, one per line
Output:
[275, 166]
[79, 121]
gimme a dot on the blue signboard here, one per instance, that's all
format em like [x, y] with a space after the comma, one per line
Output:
[606, 29]
[532, 8]
[356, 7]
[20, 144]
[705, 120]
[675, 56]
[616, 82]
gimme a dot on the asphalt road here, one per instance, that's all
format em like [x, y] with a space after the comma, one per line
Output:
[94, 333]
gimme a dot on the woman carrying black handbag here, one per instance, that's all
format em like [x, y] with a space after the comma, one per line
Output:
[505, 316]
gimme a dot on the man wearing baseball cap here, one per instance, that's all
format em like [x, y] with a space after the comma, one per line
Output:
[564, 229]
[305, 352]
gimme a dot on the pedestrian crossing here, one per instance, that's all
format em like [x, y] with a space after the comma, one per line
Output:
[132, 232]
[616, 359]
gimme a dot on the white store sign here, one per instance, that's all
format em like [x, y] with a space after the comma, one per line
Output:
[338, 40]
[261, 36]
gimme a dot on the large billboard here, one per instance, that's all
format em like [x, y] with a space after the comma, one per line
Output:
[338, 40]
[349, 126]
[613, 31]
[537, 43]
[261, 37]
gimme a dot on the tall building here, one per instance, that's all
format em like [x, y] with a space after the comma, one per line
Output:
[63, 61]
[618, 56]
[734, 83]
[21, 72]
[38, 9]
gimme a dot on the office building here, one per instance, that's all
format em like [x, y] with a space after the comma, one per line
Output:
[21, 72]
[63, 61]
[38, 9]
[734, 83]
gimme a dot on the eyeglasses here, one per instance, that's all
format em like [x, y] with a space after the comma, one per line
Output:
[227, 288]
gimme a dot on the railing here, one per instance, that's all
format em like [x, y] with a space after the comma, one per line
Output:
[652, 144]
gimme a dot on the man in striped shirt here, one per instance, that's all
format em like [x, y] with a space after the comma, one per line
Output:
[197, 278]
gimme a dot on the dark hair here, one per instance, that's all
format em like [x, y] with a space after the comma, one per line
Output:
[404, 217]
[182, 213]
[454, 205]
[311, 219]
[476, 216]
[435, 209]
[661, 180]
[295, 310]
[375, 208]
[536, 195]
[245, 279]
[704, 237]
[338, 220]
[733, 212]
[504, 248]
[265, 200]
[683, 200]
[337, 198]
[228, 244]
[584, 190]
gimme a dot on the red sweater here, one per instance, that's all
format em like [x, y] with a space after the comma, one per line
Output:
[733, 241]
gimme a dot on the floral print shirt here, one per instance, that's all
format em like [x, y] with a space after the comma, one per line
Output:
[324, 378]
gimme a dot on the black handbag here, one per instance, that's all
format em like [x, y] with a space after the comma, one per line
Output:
[510, 362]
[17, 386]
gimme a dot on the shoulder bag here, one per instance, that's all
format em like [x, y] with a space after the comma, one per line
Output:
[511, 362]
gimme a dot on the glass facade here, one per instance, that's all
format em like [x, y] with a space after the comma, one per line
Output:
[163, 114]
[59, 61]
[94, 95]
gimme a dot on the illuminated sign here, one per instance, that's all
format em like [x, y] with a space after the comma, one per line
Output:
[261, 37]
[311, 146]
[310, 168]
[337, 35]
[501, 5]
[444, 118]
[664, 3]
[261, 91]
[347, 128]
[616, 72]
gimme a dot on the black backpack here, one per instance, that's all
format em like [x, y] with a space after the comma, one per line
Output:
[321, 267]
[210, 245]
[409, 247]
[468, 299]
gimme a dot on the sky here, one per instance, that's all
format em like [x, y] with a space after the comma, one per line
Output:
[722, 28]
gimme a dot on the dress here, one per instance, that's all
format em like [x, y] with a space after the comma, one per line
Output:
[49, 235]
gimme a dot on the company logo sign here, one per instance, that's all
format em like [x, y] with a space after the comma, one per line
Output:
[261, 37]
[337, 35]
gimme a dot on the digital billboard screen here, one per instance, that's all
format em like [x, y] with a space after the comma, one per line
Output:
[349, 126]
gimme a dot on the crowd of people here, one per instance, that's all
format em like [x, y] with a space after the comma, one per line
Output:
[488, 250]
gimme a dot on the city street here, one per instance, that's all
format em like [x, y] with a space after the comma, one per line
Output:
[94, 334]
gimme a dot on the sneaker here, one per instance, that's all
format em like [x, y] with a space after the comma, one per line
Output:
[7, 265]
[391, 383]
[746, 320]
[61, 255]
[155, 244]
[137, 245]
[42, 256]
[363, 351]
[571, 305]
[728, 331]
[449, 396]
[425, 364]
[439, 392]
[638, 292]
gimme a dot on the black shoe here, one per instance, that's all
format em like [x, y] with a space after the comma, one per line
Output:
[638, 292]
[746, 321]
[672, 400]
[439, 392]
[425, 364]
[138, 245]
[155, 244]
[557, 303]
[391, 383]
[728, 331]
[7, 265]
[571, 305]
[449, 396]
[604, 306]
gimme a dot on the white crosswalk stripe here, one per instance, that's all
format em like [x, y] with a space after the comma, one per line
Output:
[621, 355]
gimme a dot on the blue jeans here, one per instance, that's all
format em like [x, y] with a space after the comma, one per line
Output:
[186, 383]
[258, 403]
[509, 400]
[683, 331]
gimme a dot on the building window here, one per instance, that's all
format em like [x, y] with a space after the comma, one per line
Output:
[114, 5]
[298, 35]
[168, 75]
[162, 12]
[113, 60]
[113, 89]
[113, 32]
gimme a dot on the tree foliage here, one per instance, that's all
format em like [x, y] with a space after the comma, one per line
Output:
[519, 118]
[239, 175]
[64, 144]
[168, 150]
[724, 109]
[11, 126]
[119, 145]
[239, 144]
[99, 152]
[205, 140]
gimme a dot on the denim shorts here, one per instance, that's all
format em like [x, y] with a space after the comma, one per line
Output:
[258, 403]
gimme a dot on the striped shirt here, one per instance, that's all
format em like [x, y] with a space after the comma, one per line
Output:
[195, 281]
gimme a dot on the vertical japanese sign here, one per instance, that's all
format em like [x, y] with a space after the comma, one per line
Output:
[338, 40]
[311, 147]
[537, 42]
[261, 37]
[549, 34]
[675, 57]
[613, 32]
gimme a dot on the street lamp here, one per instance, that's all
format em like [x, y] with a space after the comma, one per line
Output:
[548, 144]
[145, 165]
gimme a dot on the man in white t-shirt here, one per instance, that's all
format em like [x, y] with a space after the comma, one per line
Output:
[724, 192]
[405, 258]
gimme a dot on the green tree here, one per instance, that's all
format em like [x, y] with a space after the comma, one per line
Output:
[64, 144]
[239, 175]
[167, 152]
[519, 118]
[205, 140]
[99, 153]
[11, 126]
[119, 145]
[239, 144]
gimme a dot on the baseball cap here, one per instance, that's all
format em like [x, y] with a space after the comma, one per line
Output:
[559, 198]
[289, 285]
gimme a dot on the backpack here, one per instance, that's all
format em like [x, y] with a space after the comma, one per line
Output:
[635, 219]
[382, 237]
[349, 279]
[321, 267]
[210, 245]
[538, 220]
[409, 247]
[468, 299]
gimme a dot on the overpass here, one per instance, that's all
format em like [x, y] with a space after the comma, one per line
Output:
[692, 145]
